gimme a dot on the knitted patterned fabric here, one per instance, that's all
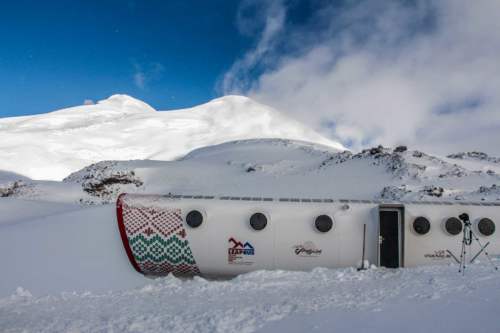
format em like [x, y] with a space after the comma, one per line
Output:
[155, 239]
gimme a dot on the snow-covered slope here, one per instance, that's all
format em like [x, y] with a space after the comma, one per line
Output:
[50, 146]
[275, 167]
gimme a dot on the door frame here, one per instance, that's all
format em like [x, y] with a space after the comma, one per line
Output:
[401, 230]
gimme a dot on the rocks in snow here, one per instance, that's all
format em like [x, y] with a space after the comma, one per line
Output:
[336, 159]
[402, 192]
[489, 192]
[11, 189]
[454, 171]
[432, 191]
[475, 155]
[417, 154]
[105, 180]
[394, 193]
[400, 149]
[394, 162]
[491, 189]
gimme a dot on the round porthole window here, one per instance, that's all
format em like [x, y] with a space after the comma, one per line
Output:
[421, 225]
[194, 219]
[453, 226]
[486, 227]
[323, 223]
[258, 221]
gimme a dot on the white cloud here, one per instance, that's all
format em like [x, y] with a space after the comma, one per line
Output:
[139, 79]
[271, 16]
[383, 72]
[146, 73]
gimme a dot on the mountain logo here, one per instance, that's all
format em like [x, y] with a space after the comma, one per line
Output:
[238, 252]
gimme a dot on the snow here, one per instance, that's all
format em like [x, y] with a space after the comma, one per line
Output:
[276, 168]
[63, 264]
[13, 211]
[73, 250]
[323, 300]
[66, 271]
[6, 177]
[50, 146]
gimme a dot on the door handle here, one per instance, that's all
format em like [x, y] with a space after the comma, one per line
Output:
[380, 239]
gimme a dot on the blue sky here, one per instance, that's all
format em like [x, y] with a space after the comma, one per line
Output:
[421, 73]
[168, 53]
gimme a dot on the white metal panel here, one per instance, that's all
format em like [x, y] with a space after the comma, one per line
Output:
[291, 224]
[431, 248]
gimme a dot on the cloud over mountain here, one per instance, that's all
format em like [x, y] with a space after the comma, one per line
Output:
[419, 73]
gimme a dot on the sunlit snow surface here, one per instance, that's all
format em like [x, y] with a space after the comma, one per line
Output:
[52, 145]
[426, 299]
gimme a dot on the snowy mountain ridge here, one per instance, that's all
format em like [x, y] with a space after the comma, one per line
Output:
[474, 155]
[50, 146]
[274, 167]
[118, 103]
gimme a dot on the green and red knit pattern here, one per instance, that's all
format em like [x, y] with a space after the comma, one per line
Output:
[157, 240]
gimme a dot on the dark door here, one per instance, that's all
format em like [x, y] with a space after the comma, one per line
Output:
[389, 238]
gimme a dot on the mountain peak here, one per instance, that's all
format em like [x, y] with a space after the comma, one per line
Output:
[234, 100]
[126, 103]
[124, 128]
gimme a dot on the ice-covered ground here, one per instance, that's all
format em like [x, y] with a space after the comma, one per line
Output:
[425, 299]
